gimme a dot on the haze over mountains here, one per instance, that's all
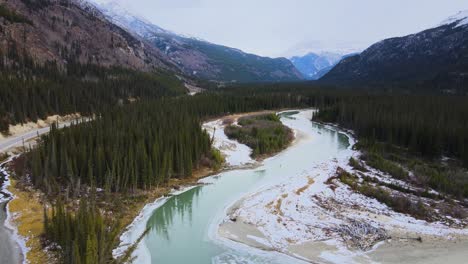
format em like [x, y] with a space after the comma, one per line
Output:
[315, 65]
[76, 31]
[200, 58]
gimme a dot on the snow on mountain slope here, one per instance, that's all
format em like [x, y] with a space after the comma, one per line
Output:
[435, 58]
[461, 19]
[121, 17]
[315, 65]
[202, 59]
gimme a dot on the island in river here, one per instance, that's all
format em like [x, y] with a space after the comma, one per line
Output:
[263, 133]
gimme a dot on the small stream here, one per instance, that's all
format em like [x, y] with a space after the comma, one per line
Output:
[184, 228]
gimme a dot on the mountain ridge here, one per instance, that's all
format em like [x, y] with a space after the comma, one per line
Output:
[436, 57]
[314, 65]
[202, 59]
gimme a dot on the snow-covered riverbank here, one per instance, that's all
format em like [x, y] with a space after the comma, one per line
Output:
[308, 216]
[236, 154]
[137, 228]
[284, 204]
[13, 244]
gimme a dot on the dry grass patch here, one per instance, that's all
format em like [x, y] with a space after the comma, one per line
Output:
[302, 189]
[269, 205]
[278, 207]
[27, 215]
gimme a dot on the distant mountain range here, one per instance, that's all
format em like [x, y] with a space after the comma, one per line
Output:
[200, 58]
[315, 65]
[436, 57]
[78, 32]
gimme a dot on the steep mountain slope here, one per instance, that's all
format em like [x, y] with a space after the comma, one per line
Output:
[63, 57]
[72, 31]
[436, 58]
[313, 66]
[203, 59]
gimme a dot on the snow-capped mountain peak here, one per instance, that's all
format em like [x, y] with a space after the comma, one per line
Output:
[120, 16]
[315, 65]
[461, 19]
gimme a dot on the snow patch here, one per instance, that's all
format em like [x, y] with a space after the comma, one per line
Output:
[461, 19]
[236, 154]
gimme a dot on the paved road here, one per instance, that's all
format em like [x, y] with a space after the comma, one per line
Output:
[17, 141]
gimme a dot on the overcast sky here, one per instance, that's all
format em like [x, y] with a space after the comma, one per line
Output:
[292, 27]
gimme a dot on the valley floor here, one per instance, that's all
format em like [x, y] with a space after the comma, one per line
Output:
[312, 216]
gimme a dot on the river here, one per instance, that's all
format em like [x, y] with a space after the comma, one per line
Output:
[184, 228]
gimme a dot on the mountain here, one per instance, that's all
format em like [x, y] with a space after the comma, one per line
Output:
[436, 57]
[313, 66]
[200, 58]
[72, 31]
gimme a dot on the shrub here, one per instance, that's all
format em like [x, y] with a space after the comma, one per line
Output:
[378, 162]
[357, 165]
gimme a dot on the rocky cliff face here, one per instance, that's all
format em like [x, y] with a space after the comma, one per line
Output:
[436, 57]
[72, 31]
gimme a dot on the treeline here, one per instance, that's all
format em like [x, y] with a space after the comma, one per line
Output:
[424, 128]
[29, 91]
[135, 147]
[127, 148]
[29, 100]
[447, 177]
[430, 126]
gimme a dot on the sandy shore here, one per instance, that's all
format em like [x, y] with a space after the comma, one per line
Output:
[431, 250]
